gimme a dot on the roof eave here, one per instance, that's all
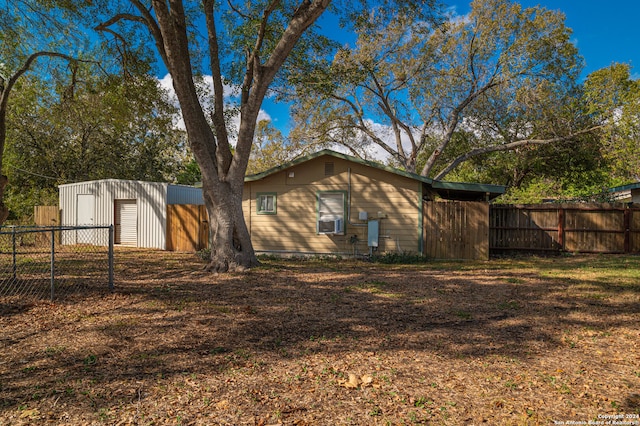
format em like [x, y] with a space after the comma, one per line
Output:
[476, 188]
[303, 159]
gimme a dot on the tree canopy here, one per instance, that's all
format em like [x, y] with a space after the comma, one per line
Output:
[82, 130]
[34, 37]
[504, 75]
[613, 100]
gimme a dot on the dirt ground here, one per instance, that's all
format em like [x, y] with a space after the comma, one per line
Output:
[329, 343]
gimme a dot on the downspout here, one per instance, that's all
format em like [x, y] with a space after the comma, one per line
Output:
[250, 209]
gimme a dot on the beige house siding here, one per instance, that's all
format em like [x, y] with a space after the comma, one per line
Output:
[394, 199]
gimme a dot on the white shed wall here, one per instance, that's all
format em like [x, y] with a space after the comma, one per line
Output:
[151, 200]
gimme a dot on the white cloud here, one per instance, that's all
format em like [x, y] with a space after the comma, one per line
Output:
[167, 83]
[454, 18]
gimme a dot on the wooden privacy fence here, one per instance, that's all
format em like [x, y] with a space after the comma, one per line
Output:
[584, 228]
[187, 227]
[46, 215]
[456, 230]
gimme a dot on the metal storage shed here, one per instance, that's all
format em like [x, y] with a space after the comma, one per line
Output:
[138, 210]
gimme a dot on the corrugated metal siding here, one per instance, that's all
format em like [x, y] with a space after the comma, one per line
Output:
[183, 194]
[151, 205]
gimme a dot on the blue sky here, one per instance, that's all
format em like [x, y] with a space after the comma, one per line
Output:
[604, 32]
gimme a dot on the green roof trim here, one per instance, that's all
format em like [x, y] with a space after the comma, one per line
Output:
[627, 187]
[452, 186]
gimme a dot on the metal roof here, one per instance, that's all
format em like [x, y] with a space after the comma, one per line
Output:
[627, 187]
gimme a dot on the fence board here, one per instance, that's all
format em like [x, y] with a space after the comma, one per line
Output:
[634, 232]
[519, 227]
[456, 230]
[187, 228]
[46, 215]
[587, 228]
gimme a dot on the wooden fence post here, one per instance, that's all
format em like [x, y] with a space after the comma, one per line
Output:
[561, 215]
[627, 230]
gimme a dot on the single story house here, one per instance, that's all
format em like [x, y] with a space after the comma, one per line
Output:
[138, 210]
[323, 203]
[332, 203]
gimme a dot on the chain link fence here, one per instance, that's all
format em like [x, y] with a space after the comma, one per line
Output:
[54, 262]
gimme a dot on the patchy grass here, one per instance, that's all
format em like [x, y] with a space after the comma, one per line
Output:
[326, 342]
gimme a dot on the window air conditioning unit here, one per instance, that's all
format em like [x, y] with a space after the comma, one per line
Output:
[333, 226]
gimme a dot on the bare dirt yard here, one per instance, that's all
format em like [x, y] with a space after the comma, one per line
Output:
[507, 342]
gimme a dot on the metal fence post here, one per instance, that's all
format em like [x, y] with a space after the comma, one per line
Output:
[15, 263]
[111, 240]
[53, 263]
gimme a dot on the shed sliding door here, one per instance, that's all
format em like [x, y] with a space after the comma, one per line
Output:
[126, 228]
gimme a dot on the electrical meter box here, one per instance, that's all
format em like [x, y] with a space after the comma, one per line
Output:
[373, 233]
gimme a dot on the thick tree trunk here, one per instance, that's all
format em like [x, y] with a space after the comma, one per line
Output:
[230, 240]
[222, 171]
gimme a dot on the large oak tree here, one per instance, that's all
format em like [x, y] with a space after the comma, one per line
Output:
[223, 171]
[503, 73]
[248, 43]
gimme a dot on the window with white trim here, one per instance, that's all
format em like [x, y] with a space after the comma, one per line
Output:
[331, 208]
[266, 203]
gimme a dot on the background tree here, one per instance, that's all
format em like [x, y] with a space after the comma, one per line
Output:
[583, 167]
[271, 149]
[613, 100]
[83, 130]
[30, 38]
[503, 73]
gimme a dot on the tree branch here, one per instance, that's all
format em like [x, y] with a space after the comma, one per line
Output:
[6, 85]
[362, 126]
[223, 151]
[146, 19]
[260, 76]
[454, 118]
[508, 147]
